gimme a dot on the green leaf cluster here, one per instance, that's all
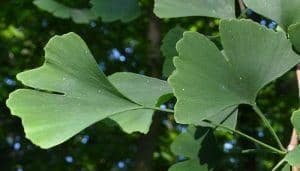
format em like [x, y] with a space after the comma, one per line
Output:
[285, 13]
[69, 92]
[108, 11]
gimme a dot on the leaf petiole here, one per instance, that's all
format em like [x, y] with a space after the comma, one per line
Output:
[250, 138]
[275, 150]
[278, 165]
[268, 125]
[159, 109]
[256, 151]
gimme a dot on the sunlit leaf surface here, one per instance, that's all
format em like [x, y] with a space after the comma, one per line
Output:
[285, 12]
[69, 93]
[207, 81]
[184, 8]
[293, 157]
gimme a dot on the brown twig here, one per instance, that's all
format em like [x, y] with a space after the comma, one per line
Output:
[294, 138]
[293, 142]
[241, 5]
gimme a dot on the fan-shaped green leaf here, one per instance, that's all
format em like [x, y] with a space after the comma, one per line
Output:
[294, 33]
[183, 8]
[199, 146]
[296, 120]
[143, 90]
[70, 93]
[284, 12]
[124, 10]
[207, 81]
[293, 157]
[168, 49]
[62, 11]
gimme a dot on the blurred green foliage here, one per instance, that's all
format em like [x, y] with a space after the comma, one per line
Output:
[25, 29]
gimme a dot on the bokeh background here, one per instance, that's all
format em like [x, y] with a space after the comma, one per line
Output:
[116, 46]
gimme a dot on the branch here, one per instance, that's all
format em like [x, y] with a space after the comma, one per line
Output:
[241, 5]
[293, 142]
[294, 137]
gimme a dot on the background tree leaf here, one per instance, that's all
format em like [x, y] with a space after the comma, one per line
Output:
[70, 93]
[62, 11]
[199, 146]
[184, 8]
[168, 49]
[207, 81]
[124, 10]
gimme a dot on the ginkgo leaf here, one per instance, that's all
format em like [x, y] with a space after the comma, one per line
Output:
[143, 90]
[62, 11]
[168, 49]
[112, 10]
[294, 33]
[184, 8]
[284, 12]
[70, 93]
[227, 118]
[293, 157]
[207, 81]
[199, 146]
[295, 119]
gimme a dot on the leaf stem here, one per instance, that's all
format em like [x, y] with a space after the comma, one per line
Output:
[268, 125]
[250, 138]
[232, 130]
[159, 109]
[278, 165]
[256, 151]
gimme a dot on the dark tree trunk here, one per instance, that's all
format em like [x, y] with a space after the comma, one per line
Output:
[148, 142]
